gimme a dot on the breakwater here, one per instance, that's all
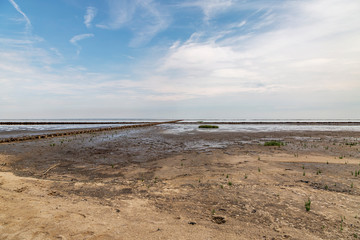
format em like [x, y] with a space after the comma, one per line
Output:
[80, 131]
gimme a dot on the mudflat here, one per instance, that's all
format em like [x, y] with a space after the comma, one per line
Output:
[152, 183]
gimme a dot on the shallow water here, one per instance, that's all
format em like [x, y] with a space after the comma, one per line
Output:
[178, 128]
[24, 130]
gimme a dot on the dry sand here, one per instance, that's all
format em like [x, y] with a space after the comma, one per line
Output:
[152, 184]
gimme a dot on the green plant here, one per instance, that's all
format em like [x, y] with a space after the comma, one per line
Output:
[341, 157]
[245, 176]
[303, 167]
[230, 183]
[274, 143]
[221, 186]
[259, 170]
[258, 158]
[303, 173]
[352, 185]
[327, 162]
[355, 235]
[318, 172]
[308, 204]
[213, 212]
[326, 187]
[227, 175]
[341, 223]
[208, 126]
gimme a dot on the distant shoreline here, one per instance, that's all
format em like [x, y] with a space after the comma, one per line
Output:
[349, 123]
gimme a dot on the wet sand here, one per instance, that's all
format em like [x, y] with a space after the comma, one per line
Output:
[151, 183]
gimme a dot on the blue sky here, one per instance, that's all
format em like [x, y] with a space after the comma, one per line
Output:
[180, 59]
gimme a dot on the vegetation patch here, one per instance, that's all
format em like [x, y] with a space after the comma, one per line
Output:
[274, 143]
[208, 126]
[307, 204]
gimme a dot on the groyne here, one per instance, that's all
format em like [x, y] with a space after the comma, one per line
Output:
[80, 131]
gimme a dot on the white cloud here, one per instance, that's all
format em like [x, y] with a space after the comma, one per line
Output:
[316, 50]
[90, 15]
[74, 40]
[27, 20]
[145, 18]
[210, 8]
[79, 37]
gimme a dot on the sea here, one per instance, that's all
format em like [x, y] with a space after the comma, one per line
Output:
[186, 125]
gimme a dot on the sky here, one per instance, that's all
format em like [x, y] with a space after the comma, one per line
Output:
[180, 59]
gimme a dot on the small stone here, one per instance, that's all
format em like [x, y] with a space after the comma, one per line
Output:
[192, 223]
[218, 219]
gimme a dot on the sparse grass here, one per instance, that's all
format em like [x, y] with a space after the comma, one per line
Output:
[307, 205]
[221, 186]
[326, 187]
[213, 212]
[352, 185]
[208, 126]
[274, 143]
[304, 174]
[341, 223]
[318, 172]
[341, 157]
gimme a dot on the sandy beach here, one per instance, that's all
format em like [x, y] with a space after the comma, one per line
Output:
[152, 183]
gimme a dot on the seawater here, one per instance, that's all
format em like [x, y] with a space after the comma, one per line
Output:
[19, 130]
